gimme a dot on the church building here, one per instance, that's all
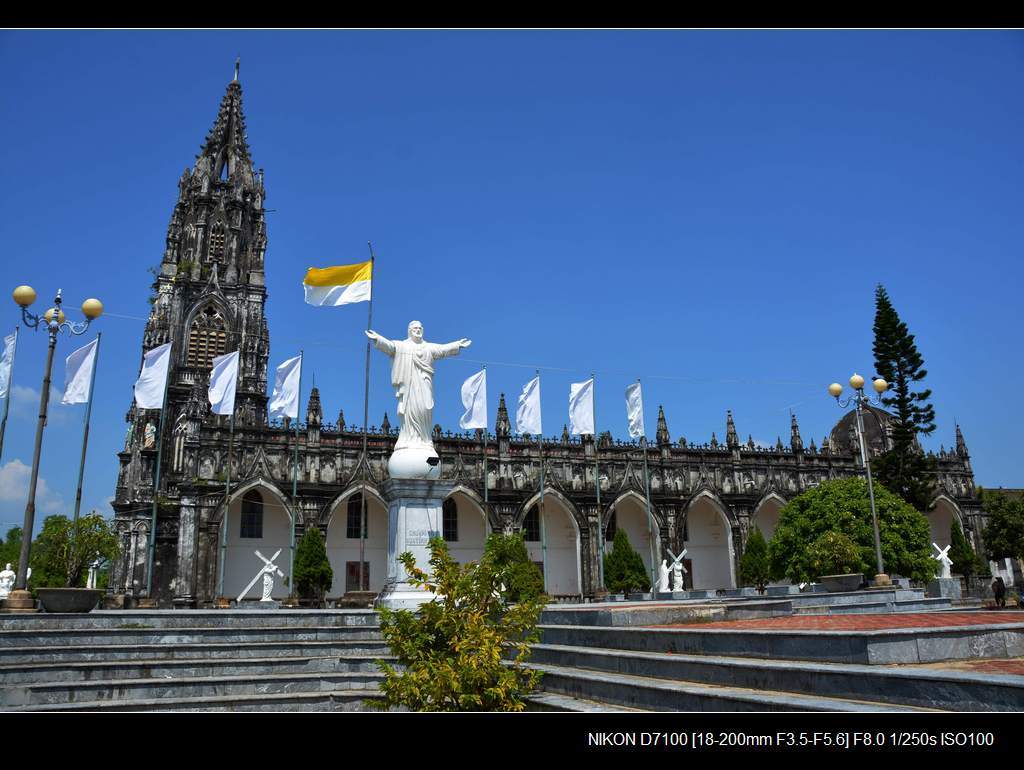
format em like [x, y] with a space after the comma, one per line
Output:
[221, 499]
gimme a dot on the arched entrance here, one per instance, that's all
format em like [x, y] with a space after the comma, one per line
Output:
[463, 526]
[562, 538]
[709, 544]
[343, 542]
[257, 520]
[940, 522]
[766, 517]
[631, 517]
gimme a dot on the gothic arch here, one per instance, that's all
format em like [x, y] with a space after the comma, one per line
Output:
[941, 514]
[190, 350]
[343, 540]
[473, 525]
[766, 514]
[709, 545]
[238, 542]
[217, 516]
[564, 570]
[631, 516]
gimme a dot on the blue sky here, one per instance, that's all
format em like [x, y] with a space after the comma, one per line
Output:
[706, 210]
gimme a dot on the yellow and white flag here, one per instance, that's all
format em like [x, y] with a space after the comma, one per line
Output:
[341, 285]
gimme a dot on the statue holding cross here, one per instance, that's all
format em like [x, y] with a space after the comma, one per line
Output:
[267, 573]
[944, 560]
[677, 570]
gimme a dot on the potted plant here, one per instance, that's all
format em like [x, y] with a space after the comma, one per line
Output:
[837, 562]
[61, 559]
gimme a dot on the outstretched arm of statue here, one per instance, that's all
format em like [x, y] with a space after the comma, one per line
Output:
[451, 348]
[381, 343]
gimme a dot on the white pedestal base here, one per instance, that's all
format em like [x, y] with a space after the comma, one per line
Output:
[414, 516]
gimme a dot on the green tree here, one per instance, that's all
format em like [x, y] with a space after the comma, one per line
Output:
[466, 649]
[624, 570]
[754, 566]
[842, 505]
[10, 549]
[834, 553]
[903, 469]
[508, 554]
[62, 552]
[965, 561]
[313, 573]
[1004, 534]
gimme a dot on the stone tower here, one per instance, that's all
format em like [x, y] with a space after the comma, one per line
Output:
[208, 299]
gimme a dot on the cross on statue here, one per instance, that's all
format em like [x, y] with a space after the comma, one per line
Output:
[677, 569]
[944, 560]
[267, 573]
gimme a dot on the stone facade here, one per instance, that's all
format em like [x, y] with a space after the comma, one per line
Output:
[209, 298]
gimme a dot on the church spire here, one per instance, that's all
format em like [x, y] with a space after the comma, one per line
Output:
[795, 441]
[226, 151]
[502, 427]
[662, 436]
[961, 445]
[732, 440]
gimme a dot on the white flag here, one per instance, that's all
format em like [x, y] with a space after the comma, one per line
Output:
[7, 363]
[149, 388]
[285, 401]
[528, 412]
[78, 370]
[474, 399]
[581, 407]
[635, 410]
[223, 380]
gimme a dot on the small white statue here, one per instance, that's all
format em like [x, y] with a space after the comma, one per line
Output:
[7, 578]
[663, 577]
[944, 560]
[93, 570]
[268, 583]
[677, 577]
[267, 573]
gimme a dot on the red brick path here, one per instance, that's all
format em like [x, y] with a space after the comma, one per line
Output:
[1005, 666]
[862, 622]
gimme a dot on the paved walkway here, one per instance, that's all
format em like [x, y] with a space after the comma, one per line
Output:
[863, 622]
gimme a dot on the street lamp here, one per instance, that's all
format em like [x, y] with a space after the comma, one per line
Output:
[54, 321]
[860, 400]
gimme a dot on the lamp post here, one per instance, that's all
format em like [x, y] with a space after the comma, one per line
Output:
[53, 321]
[860, 401]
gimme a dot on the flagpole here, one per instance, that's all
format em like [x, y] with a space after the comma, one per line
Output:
[597, 486]
[227, 502]
[363, 585]
[295, 476]
[156, 480]
[10, 387]
[485, 458]
[540, 506]
[85, 436]
[647, 498]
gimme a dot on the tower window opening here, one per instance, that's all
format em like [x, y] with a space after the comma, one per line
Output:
[207, 338]
[217, 243]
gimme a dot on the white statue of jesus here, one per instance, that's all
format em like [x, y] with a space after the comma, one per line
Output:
[412, 375]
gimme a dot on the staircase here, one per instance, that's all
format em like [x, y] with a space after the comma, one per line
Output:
[617, 664]
[230, 660]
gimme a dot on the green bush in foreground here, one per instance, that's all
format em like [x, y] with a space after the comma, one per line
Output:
[450, 655]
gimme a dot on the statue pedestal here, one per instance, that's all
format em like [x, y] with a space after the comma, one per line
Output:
[948, 588]
[414, 516]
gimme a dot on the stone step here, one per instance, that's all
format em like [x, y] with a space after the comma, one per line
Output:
[163, 619]
[13, 697]
[655, 694]
[328, 700]
[902, 645]
[874, 608]
[184, 635]
[906, 685]
[549, 701]
[193, 651]
[107, 670]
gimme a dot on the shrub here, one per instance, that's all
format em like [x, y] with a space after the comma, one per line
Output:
[313, 573]
[624, 570]
[508, 554]
[754, 567]
[450, 655]
[842, 506]
[965, 561]
[63, 550]
[835, 554]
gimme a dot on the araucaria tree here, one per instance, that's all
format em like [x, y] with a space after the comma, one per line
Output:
[903, 469]
[965, 561]
[313, 572]
[624, 570]
[754, 568]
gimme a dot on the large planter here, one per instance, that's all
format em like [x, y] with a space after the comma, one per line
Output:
[836, 583]
[69, 599]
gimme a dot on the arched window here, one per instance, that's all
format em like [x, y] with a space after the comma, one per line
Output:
[252, 515]
[531, 526]
[609, 533]
[207, 338]
[355, 514]
[450, 520]
[217, 242]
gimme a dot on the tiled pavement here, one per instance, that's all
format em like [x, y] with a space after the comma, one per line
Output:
[864, 622]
